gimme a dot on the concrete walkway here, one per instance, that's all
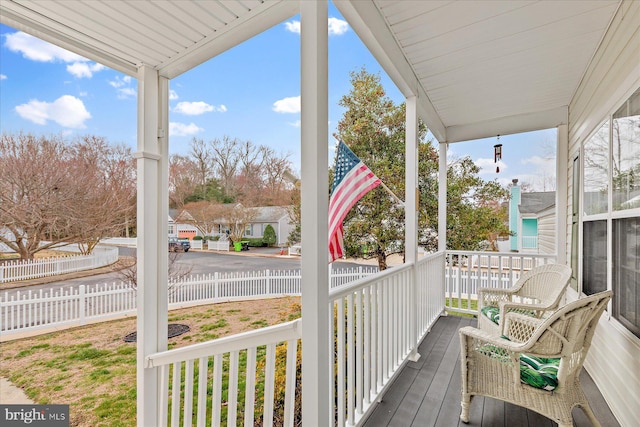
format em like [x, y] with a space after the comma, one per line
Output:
[12, 395]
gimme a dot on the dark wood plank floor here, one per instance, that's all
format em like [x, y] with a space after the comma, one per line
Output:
[427, 392]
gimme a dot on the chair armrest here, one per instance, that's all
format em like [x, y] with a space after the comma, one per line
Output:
[487, 343]
[519, 327]
[492, 297]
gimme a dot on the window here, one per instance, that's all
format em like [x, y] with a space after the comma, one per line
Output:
[626, 272]
[596, 176]
[611, 223]
[594, 252]
[626, 154]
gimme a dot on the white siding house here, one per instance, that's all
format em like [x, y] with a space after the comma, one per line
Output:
[532, 221]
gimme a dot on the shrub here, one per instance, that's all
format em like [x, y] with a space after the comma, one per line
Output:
[197, 238]
[269, 236]
[255, 243]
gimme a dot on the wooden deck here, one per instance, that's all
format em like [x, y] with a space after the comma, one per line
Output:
[427, 392]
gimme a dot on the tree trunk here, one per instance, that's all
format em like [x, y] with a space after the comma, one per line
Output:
[382, 259]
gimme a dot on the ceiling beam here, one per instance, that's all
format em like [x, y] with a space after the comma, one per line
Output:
[24, 19]
[509, 125]
[368, 23]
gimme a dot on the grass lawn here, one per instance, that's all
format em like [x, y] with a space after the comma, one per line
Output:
[93, 370]
[454, 303]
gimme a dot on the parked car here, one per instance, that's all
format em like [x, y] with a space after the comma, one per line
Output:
[178, 245]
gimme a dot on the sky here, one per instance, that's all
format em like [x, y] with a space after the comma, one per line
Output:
[250, 92]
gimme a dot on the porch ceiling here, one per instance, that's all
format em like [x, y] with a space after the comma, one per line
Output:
[170, 36]
[484, 67]
[479, 68]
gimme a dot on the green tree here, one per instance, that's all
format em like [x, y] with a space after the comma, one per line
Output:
[374, 128]
[269, 235]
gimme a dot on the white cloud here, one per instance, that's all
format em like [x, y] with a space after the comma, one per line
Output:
[120, 81]
[38, 50]
[287, 105]
[293, 26]
[489, 166]
[123, 87]
[181, 129]
[3, 77]
[337, 27]
[84, 69]
[173, 95]
[193, 108]
[126, 92]
[67, 111]
[198, 107]
[539, 161]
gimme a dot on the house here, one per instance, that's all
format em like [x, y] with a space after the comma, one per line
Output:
[181, 223]
[470, 70]
[179, 226]
[532, 219]
[276, 216]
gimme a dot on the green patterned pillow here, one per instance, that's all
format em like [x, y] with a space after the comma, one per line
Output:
[492, 313]
[539, 372]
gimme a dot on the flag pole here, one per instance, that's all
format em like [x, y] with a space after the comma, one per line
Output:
[391, 193]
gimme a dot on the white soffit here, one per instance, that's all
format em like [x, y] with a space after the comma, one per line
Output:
[490, 67]
[170, 36]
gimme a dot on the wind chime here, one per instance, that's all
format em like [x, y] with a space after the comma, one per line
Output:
[497, 154]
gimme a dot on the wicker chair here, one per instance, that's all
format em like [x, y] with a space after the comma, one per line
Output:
[496, 367]
[537, 292]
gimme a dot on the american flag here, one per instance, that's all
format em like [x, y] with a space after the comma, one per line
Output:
[352, 180]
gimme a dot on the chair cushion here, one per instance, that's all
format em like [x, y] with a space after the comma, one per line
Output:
[539, 372]
[493, 313]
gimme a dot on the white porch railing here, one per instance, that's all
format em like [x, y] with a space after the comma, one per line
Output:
[378, 322]
[261, 360]
[467, 271]
[14, 271]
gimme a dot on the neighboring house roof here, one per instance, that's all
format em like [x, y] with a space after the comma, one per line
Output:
[270, 213]
[532, 203]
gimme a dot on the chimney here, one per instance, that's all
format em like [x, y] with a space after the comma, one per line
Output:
[515, 181]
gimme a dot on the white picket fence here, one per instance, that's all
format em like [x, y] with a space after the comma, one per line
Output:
[28, 310]
[13, 271]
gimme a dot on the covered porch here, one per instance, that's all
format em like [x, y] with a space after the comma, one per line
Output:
[427, 392]
[469, 71]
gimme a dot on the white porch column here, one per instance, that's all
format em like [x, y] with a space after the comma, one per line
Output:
[152, 156]
[442, 197]
[562, 186]
[316, 370]
[411, 211]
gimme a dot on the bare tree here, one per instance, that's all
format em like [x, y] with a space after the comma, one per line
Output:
[203, 157]
[109, 200]
[277, 188]
[226, 160]
[53, 192]
[204, 215]
[238, 219]
[183, 179]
